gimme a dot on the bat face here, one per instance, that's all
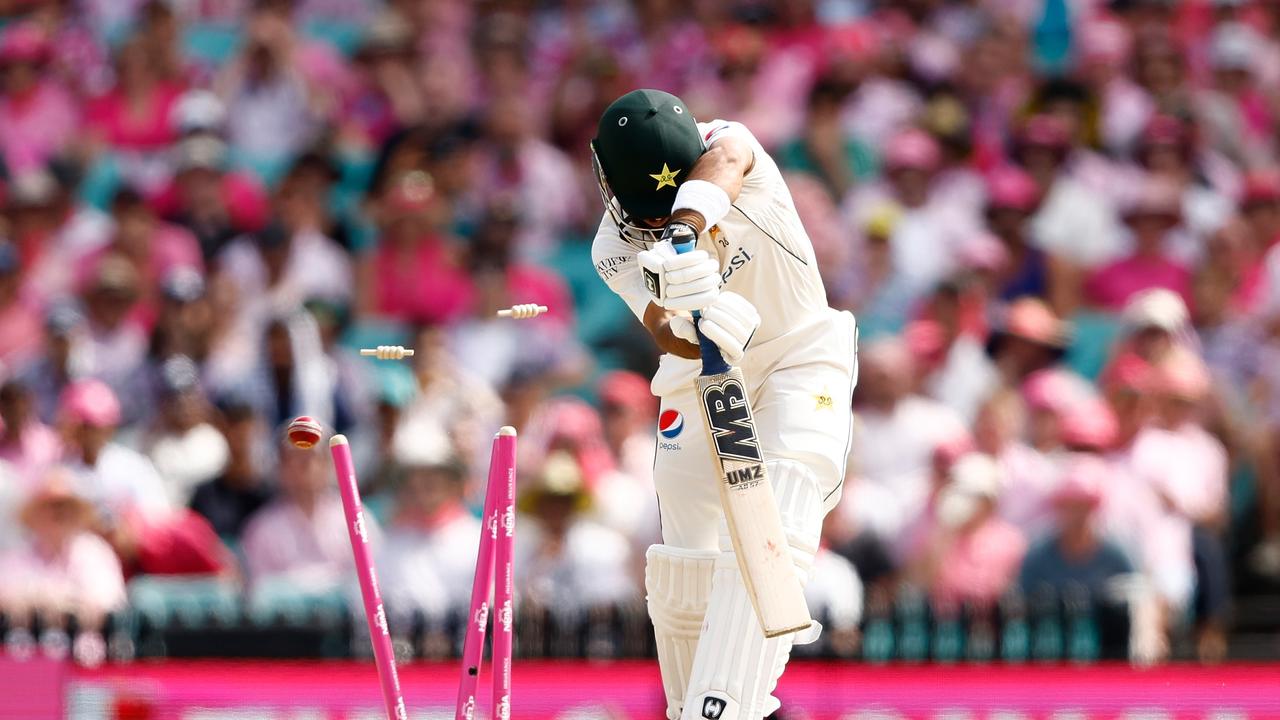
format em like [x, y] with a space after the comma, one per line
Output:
[759, 540]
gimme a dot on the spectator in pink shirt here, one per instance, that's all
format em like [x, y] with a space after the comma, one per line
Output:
[153, 247]
[1132, 511]
[64, 567]
[21, 329]
[299, 540]
[211, 201]
[28, 445]
[77, 55]
[946, 453]
[1195, 487]
[1155, 214]
[416, 274]
[970, 554]
[38, 118]
[895, 433]
[134, 115]
[387, 93]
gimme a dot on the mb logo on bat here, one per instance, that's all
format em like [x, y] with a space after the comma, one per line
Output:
[729, 415]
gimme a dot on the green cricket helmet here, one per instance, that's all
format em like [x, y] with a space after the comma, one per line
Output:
[645, 145]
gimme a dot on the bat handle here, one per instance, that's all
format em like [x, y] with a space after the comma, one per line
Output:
[712, 361]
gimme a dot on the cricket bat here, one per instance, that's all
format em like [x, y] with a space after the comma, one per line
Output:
[755, 526]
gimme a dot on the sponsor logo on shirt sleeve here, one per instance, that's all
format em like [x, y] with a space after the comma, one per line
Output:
[609, 267]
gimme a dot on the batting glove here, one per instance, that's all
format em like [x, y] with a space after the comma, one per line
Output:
[729, 322]
[679, 282]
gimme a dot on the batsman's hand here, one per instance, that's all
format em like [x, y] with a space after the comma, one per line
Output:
[679, 282]
[729, 322]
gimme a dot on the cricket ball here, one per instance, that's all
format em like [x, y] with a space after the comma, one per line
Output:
[305, 432]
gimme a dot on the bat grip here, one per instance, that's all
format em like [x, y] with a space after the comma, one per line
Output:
[712, 361]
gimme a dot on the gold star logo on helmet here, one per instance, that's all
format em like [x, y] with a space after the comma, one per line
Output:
[666, 177]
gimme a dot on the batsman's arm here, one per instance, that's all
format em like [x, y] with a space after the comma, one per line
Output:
[658, 322]
[725, 165]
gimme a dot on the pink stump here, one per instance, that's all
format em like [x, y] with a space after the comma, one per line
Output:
[505, 452]
[496, 543]
[374, 614]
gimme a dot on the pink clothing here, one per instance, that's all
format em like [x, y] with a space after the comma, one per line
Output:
[310, 552]
[85, 576]
[21, 333]
[1193, 463]
[980, 565]
[36, 127]
[172, 247]
[425, 285]
[242, 195]
[1132, 513]
[125, 127]
[32, 452]
[1030, 479]
[1111, 286]
[534, 284]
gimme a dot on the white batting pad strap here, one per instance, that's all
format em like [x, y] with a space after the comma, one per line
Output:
[705, 198]
[678, 583]
[737, 667]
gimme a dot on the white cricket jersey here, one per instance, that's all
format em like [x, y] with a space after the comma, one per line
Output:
[765, 256]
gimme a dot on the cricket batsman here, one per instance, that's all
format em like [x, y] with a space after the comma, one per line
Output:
[665, 178]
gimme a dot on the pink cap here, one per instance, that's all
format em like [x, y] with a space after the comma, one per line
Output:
[1055, 390]
[23, 42]
[1128, 372]
[912, 150]
[1010, 187]
[90, 402]
[626, 389]
[1091, 424]
[1084, 482]
[1032, 319]
[1261, 186]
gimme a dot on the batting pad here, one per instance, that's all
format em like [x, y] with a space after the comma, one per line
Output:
[677, 583]
[736, 668]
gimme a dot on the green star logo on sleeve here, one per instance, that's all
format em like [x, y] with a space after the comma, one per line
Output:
[666, 177]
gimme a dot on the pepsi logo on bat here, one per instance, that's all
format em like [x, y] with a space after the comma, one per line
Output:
[729, 415]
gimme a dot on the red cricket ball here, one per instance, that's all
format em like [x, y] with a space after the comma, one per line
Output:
[305, 432]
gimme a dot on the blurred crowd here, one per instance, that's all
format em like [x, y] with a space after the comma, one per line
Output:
[1054, 220]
